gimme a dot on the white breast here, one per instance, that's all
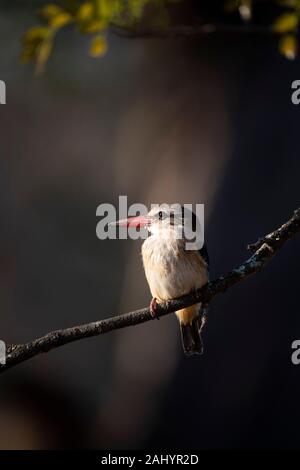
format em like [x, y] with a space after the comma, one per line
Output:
[170, 270]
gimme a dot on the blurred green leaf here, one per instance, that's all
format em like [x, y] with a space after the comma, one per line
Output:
[98, 46]
[42, 54]
[85, 12]
[56, 16]
[288, 46]
[286, 23]
[36, 33]
[94, 17]
[89, 17]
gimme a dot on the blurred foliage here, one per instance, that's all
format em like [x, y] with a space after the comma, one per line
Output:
[94, 17]
[286, 24]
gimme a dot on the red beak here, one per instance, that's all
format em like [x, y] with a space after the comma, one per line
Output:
[138, 222]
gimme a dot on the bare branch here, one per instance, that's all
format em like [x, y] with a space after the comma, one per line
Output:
[191, 30]
[265, 247]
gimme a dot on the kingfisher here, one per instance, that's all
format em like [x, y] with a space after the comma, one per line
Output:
[171, 269]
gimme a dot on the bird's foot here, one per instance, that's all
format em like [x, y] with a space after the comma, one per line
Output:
[153, 308]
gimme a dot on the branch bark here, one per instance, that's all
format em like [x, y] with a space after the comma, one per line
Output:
[263, 251]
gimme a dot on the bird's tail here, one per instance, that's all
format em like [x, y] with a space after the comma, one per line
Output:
[191, 331]
[191, 338]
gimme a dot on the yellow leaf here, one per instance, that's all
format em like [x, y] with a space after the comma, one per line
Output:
[60, 20]
[286, 22]
[42, 55]
[36, 33]
[105, 8]
[98, 46]
[32, 42]
[55, 15]
[93, 27]
[51, 10]
[288, 46]
[85, 11]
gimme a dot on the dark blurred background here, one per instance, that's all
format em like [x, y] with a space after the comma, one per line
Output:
[199, 120]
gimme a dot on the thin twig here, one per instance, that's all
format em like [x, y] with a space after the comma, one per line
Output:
[265, 247]
[191, 30]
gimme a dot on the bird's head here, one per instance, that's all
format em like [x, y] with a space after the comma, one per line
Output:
[163, 220]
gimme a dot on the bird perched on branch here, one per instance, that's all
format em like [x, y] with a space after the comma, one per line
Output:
[171, 269]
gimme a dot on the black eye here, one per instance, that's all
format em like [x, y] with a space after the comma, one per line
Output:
[160, 215]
